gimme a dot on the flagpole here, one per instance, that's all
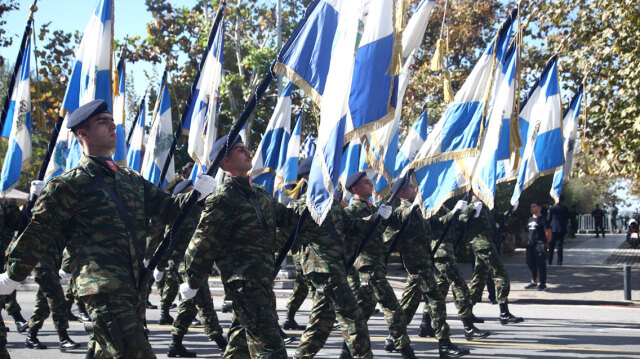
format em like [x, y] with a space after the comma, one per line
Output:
[16, 67]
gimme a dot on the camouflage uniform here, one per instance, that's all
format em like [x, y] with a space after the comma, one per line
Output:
[232, 234]
[9, 222]
[374, 287]
[300, 287]
[322, 252]
[416, 257]
[107, 265]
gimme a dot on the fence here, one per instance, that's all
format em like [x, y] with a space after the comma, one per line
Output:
[586, 223]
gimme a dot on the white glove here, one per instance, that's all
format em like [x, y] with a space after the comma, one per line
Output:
[186, 292]
[385, 211]
[157, 275]
[461, 204]
[145, 262]
[36, 188]
[515, 206]
[7, 285]
[204, 185]
[63, 274]
[477, 207]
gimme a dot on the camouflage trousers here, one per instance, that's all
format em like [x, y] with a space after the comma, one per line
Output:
[374, 288]
[49, 300]
[69, 294]
[487, 259]
[4, 353]
[423, 285]
[333, 298]
[170, 287]
[11, 304]
[299, 292]
[254, 330]
[448, 275]
[125, 338]
[202, 303]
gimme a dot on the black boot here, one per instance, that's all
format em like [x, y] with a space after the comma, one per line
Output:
[21, 323]
[345, 353]
[506, 317]
[475, 319]
[83, 316]
[449, 350]
[388, 344]
[151, 306]
[90, 353]
[471, 332]
[70, 316]
[32, 340]
[176, 349]
[226, 306]
[165, 318]
[288, 339]
[290, 323]
[221, 341]
[407, 352]
[65, 342]
[425, 327]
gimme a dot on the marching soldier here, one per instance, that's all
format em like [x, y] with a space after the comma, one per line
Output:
[102, 209]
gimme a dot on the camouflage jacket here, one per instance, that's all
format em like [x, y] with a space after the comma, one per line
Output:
[231, 233]
[374, 252]
[414, 244]
[469, 226]
[319, 250]
[72, 206]
[175, 253]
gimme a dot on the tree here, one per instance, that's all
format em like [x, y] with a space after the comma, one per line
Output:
[6, 41]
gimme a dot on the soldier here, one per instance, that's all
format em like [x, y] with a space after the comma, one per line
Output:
[202, 302]
[237, 230]
[372, 270]
[100, 207]
[480, 226]
[416, 257]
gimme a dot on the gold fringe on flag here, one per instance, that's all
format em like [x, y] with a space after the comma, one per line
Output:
[395, 66]
[437, 62]
[293, 193]
[448, 90]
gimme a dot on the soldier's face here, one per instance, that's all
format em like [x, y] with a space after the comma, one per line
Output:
[363, 188]
[409, 192]
[100, 132]
[238, 159]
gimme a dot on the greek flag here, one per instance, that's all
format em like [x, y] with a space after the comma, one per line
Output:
[440, 168]
[308, 148]
[119, 104]
[202, 118]
[137, 137]
[272, 150]
[159, 142]
[351, 160]
[569, 129]
[287, 174]
[412, 143]
[90, 80]
[17, 123]
[542, 112]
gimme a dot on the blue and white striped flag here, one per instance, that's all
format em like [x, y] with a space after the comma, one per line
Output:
[569, 129]
[119, 105]
[134, 153]
[159, 142]
[440, 169]
[308, 148]
[17, 123]
[543, 113]
[412, 143]
[351, 160]
[288, 172]
[90, 80]
[202, 119]
[272, 150]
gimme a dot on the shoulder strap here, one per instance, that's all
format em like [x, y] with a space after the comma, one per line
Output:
[256, 207]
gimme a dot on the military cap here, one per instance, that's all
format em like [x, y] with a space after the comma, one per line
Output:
[86, 111]
[305, 166]
[186, 167]
[399, 185]
[181, 186]
[353, 179]
[219, 146]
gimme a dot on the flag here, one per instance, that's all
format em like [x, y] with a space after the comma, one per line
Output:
[569, 129]
[542, 111]
[202, 118]
[412, 143]
[137, 137]
[439, 166]
[350, 161]
[159, 141]
[272, 150]
[308, 148]
[119, 104]
[288, 172]
[90, 80]
[17, 122]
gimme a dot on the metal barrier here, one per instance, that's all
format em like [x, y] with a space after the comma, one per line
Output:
[586, 223]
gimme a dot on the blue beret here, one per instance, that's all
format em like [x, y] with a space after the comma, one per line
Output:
[219, 145]
[398, 185]
[86, 111]
[181, 186]
[305, 166]
[353, 179]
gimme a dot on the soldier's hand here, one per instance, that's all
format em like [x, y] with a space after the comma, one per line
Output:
[461, 204]
[385, 211]
[36, 188]
[514, 206]
[7, 285]
[157, 275]
[145, 262]
[186, 292]
[63, 274]
[204, 185]
[477, 207]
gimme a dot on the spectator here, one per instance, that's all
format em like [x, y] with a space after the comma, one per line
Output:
[598, 220]
[545, 208]
[573, 218]
[557, 217]
[614, 219]
[539, 234]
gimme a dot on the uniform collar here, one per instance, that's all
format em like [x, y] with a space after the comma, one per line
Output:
[243, 182]
[99, 165]
[364, 201]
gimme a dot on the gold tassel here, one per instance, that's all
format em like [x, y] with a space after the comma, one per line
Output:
[448, 91]
[437, 62]
[293, 193]
[395, 66]
[41, 122]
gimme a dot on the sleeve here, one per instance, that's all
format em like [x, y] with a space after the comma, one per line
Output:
[12, 218]
[54, 207]
[208, 239]
[161, 205]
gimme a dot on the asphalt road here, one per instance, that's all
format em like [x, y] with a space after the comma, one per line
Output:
[550, 331]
